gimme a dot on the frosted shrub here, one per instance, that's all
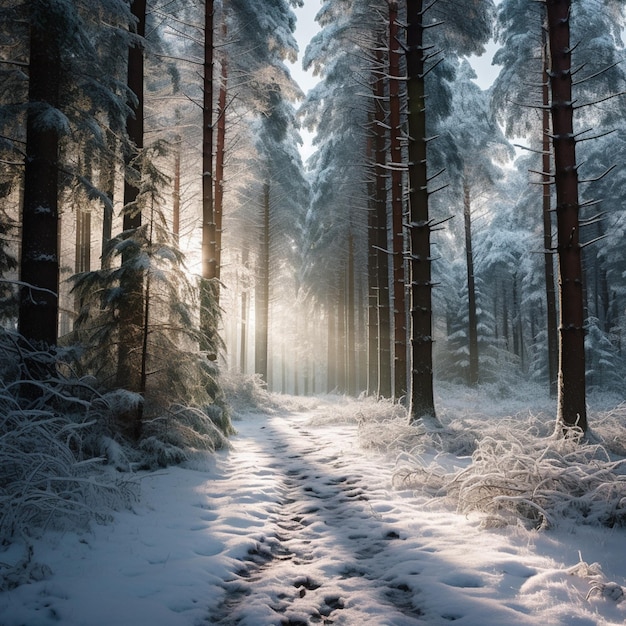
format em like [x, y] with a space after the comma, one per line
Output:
[49, 479]
[247, 392]
[516, 473]
[181, 432]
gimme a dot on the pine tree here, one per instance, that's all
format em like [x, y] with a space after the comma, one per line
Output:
[464, 32]
[45, 124]
[171, 371]
[572, 409]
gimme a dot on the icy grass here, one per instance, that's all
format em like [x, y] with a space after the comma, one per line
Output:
[514, 469]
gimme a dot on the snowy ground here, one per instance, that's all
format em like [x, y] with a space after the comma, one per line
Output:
[298, 525]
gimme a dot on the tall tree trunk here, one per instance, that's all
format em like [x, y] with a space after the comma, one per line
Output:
[422, 397]
[341, 335]
[82, 260]
[331, 357]
[384, 310]
[551, 324]
[472, 334]
[518, 334]
[397, 208]
[220, 152]
[82, 247]
[208, 285]
[372, 283]
[39, 263]
[131, 316]
[176, 190]
[283, 368]
[361, 334]
[571, 409]
[262, 291]
[351, 373]
[107, 185]
[145, 326]
[135, 120]
[243, 354]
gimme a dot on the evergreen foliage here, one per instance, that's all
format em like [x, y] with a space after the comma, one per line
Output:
[173, 370]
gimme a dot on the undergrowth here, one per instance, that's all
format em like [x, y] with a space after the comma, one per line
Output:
[517, 474]
[63, 461]
[514, 469]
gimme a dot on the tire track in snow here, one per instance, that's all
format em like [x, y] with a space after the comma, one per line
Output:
[320, 556]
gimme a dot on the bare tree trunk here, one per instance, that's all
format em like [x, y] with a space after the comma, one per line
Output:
[341, 335]
[131, 316]
[360, 333]
[176, 191]
[372, 284]
[384, 311]
[107, 185]
[220, 151]
[262, 292]
[472, 373]
[397, 208]
[135, 121]
[422, 397]
[351, 373]
[39, 263]
[243, 354]
[208, 286]
[331, 357]
[571, 402]
[82, 247]
[551, 324]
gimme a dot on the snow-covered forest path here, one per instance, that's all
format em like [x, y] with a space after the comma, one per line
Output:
[322, 543]
[325, 540]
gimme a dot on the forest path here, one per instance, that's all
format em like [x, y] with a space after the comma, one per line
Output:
[320, 551]
[317, 535]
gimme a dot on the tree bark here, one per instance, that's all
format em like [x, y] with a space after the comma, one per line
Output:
[131, 316]
[397, 208]
[135, 121]
[372, 283]
[262, 291]
[382, 241]
[107, 185]
[472, 334]
[208, 216]
[422, 397]
[176, 191]
[351, 373]
[341, 335]
[243, 354]
[83, 240]
[551, 323]
[220, 152]
[571, 409]
[331, 353]
[39, 262]
[208, 284]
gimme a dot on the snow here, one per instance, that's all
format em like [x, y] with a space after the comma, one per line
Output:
[299, 523]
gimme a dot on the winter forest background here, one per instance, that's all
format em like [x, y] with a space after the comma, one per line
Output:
[161, 236]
